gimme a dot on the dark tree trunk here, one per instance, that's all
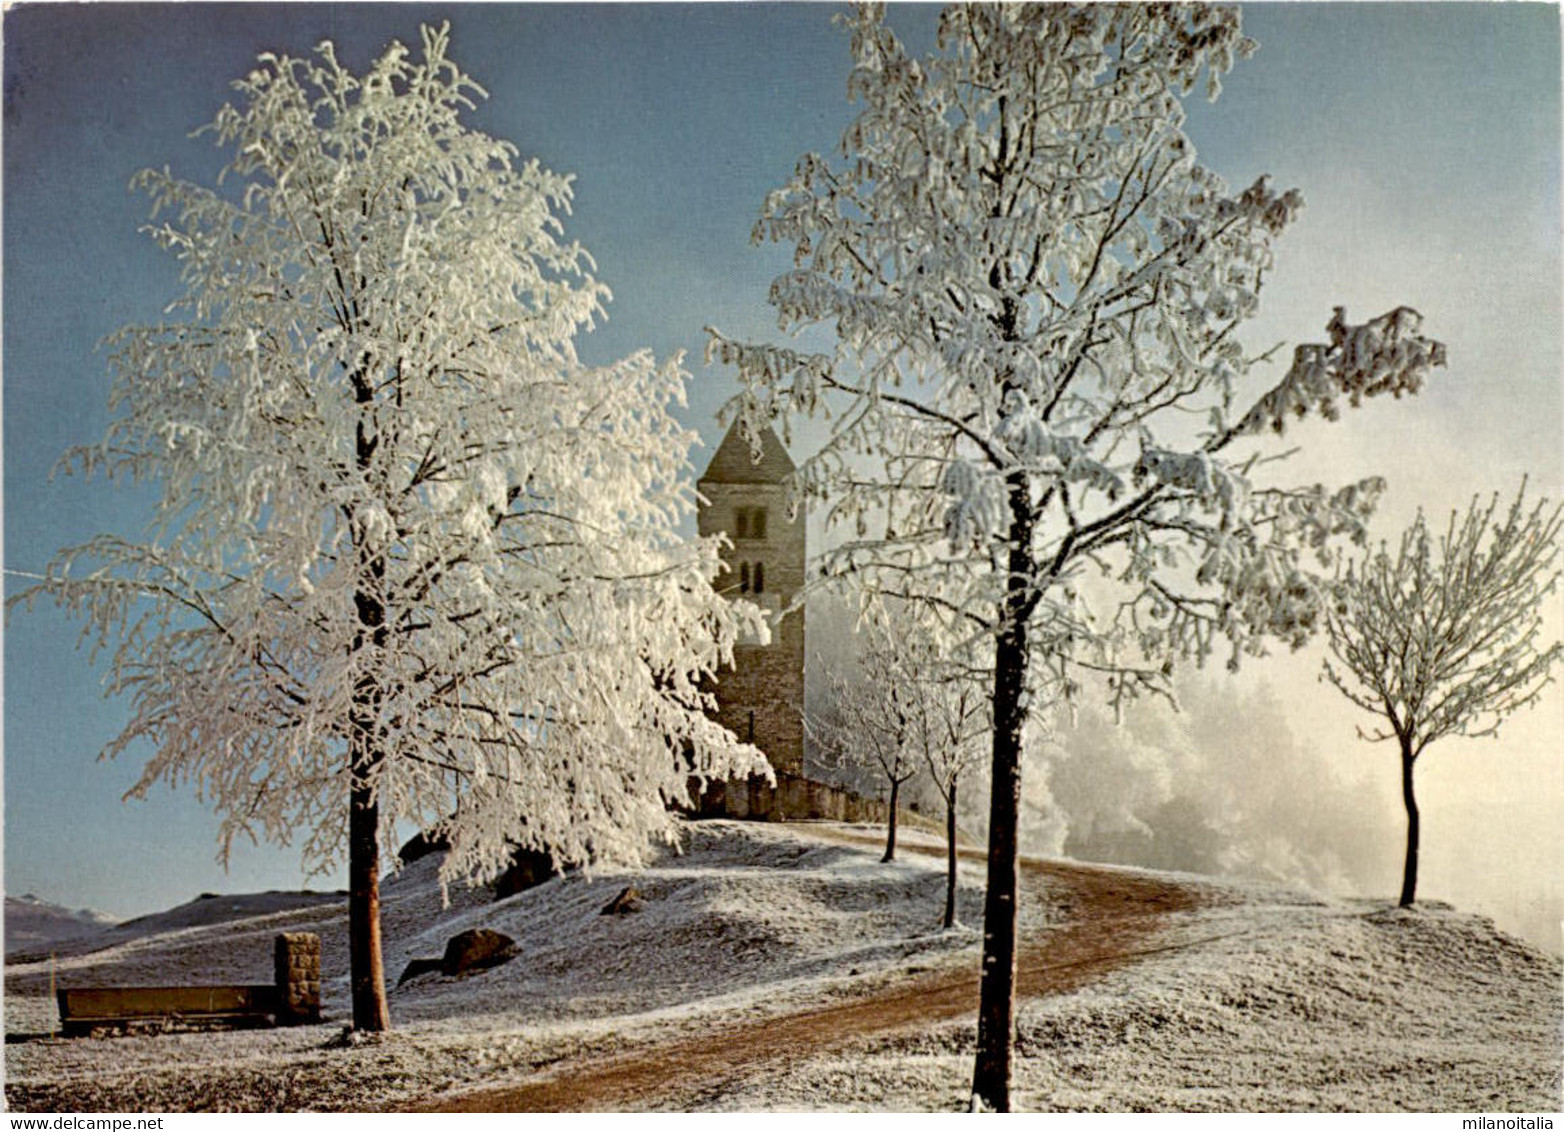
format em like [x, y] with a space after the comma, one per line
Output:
[890, 822]
[370, 1009]
[996, 1001]
[950, 855]
[1409, 871]
[366, 969]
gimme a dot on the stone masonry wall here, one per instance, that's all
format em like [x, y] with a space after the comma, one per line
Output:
[297, 968]
[793, 797]
[761, 699]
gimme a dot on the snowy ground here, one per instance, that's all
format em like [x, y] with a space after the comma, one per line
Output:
[1271, 1008]
[1257, 999]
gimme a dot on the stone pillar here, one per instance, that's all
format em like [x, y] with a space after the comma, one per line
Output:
[814, 799]
[715, 803]
[838, 804]
[762, 800]
[735, 799]
[297, 965]
[790, 797]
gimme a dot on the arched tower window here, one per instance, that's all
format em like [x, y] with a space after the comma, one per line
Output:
[757, 523]
[741, 523]
[760, 577]
[743, 577]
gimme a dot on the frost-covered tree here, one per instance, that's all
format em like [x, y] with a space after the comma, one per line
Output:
[407, 546]
[1445, 637]
[872, 718]
[1035, 292]
[952, 726]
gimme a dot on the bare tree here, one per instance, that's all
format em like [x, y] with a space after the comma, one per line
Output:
[1444, 637]
[937, 709]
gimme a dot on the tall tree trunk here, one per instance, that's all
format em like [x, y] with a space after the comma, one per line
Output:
[366, 968]
[890, 822]
[996, 999]
[950, 855]
[370, 1008]
[365, 753]
[1409, 871]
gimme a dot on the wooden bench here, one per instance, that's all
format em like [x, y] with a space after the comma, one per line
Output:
[83, 1009]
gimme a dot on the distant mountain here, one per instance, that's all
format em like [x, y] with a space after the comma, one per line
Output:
[33, 925]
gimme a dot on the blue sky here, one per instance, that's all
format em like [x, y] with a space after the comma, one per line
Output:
[1425, 139]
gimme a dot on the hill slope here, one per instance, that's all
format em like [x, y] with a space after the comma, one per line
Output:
[34, 926]
[785, 967]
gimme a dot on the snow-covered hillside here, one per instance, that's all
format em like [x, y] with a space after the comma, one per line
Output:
[33, 926]
[783, 966]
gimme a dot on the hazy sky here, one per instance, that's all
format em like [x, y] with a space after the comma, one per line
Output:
[1425, 139]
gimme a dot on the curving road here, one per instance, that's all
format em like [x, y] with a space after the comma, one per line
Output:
[1106, 919]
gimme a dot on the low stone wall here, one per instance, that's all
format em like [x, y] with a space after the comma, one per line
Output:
[794, 797]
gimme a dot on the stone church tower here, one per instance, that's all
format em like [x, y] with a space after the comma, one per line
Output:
[761, 699]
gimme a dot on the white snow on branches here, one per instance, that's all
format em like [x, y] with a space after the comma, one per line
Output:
[396, 509]
[1036, 291]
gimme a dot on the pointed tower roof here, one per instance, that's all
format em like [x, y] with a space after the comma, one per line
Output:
[734, 462]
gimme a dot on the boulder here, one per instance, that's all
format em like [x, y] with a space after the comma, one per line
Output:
[476, 949]
[418, 967]
[528, 869]
[421, 845]
[622, 905]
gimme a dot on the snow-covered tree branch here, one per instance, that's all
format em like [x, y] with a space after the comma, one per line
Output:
[1446, 637]
[953, 726]
[1038, 395]
[407, 547]
[873, 718]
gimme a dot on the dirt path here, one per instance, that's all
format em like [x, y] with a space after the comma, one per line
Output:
[1106, 918]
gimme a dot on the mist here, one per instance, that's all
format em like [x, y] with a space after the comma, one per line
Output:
[1260, 776]
[1220, 786]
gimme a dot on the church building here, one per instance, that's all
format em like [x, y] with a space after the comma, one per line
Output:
[760, 699]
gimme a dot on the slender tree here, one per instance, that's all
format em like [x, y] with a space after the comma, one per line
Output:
[873, 715]
[953, 725]
[1044, 422]
[406, 544]
[1445, 637]
[951, 721]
